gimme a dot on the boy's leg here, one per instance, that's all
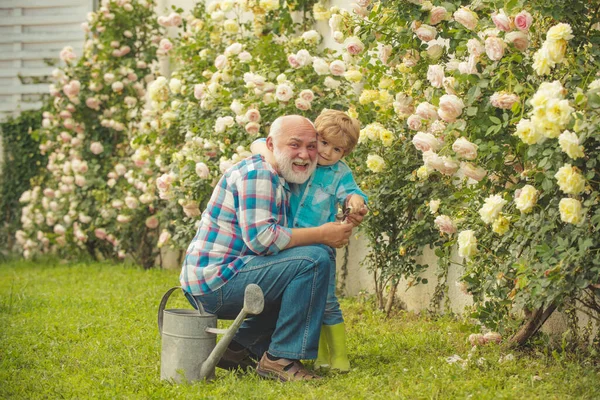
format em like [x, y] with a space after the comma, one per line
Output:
[334, 331]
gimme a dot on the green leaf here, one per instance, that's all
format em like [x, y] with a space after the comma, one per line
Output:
[495, 120]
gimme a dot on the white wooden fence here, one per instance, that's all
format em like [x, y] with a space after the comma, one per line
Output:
[32, 32]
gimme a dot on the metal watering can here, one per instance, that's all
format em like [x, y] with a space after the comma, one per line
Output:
[190, 350]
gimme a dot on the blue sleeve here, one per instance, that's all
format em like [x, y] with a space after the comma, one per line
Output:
[347, 186]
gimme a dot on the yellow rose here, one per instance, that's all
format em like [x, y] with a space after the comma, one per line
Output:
[570, 210]
[352, 113]
[375, 163]
[569, 143]
[368, 96]
[527, 133]
[230, 26]
[559, 32]
[569, 180]
[386, 137]
[423, 172]
[500, 225]
[385, 82]
[526, 198]
[353, 76]
[467, 244]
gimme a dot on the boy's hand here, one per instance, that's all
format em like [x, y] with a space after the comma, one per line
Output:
[356, 202]
[358, 209]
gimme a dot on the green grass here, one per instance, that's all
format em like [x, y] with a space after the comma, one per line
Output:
[89, 331]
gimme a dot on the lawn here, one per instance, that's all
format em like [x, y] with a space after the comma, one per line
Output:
[89, 331]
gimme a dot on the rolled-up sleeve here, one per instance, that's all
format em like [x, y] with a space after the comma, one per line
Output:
[260, 212]
[347, 187]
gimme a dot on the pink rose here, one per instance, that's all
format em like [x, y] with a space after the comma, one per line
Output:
[100, 233]
[427, 111]
[502, 21]
[252, 128]
[414, 122]
[426, 33]
[163, 238]
[424, 141]
[466, 17]
[494, 48]
[337, 68]
[293, 61]
[437, 15]
[444, 224]
[519, 39]
[450, 107]
[152, 222]
[72, 88]
[174, 19]
[253, 115]
[199, 89]
[465, 149]
[96, 148]
[165, 45]
[523, 20]
[504, 100]
[475, 47]
[163, 183]
[472, 171]
[221, 62]
[93, 103]
[307, 95]
[448, 167]
[302, 104]
[354, 46]
[384, 53]
[191, 209]
[163, 20]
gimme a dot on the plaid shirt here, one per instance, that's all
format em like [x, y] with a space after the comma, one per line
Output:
[316, 201]
[245, 217]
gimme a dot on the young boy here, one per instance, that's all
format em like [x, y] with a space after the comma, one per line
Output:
[315, 202]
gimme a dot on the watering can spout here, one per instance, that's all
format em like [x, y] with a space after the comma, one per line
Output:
[254, 303]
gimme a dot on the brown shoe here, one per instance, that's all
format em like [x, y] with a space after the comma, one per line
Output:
[233, 360]
[284, 370]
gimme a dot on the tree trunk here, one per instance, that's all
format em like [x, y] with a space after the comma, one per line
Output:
[391, 298]
[534, 322]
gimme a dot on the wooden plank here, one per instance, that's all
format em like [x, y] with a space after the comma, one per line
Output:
[38, 3]
[24, 89]
[10, 107]
[26, 72]
[41, 37]
[35, 55]
[42, 20]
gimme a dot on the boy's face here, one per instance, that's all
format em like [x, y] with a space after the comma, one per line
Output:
[329, 153]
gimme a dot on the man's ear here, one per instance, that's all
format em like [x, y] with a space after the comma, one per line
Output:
[270, 143]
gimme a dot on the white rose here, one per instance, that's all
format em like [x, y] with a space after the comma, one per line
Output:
[465, 149]
[467, 244]
[519, 39]
[502, 21]
[503, 100]
[491, 208]
[331, 83]
[473, 172]
[444, 224]
[426, 32]
[284, 92]
[434, 205]
[435, 75]
[414, 122]
[311, 37]
[466, 17]
[427, 111]
[494, 48]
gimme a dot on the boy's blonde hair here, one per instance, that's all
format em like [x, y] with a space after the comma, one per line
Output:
[339, 128]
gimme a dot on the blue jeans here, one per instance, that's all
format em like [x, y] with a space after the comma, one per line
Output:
[333, 313]
[294, 283]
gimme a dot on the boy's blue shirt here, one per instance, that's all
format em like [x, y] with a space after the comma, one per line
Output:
[315, 202]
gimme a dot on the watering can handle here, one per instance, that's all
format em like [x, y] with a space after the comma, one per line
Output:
[163, 303]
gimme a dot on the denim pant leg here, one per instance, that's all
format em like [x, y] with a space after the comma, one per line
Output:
[333, 313]
[294, 283]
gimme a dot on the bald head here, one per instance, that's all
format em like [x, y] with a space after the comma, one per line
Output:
[288, 123]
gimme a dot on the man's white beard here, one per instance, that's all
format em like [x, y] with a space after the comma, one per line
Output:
[284, 164]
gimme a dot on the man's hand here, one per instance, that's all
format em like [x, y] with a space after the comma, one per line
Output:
[335, 234]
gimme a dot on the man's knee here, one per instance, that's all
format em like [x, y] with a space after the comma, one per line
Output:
[319, 258]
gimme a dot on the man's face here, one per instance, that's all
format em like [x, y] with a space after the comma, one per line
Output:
[295, 150]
